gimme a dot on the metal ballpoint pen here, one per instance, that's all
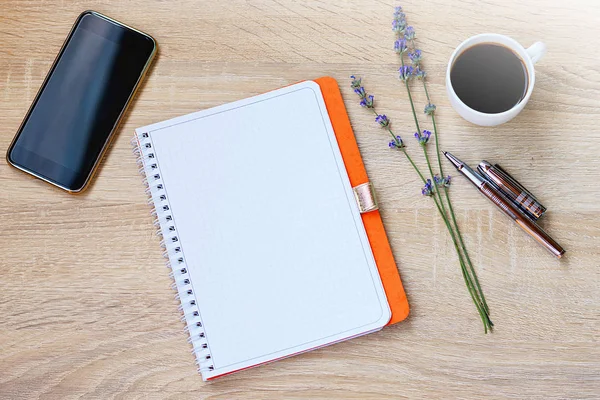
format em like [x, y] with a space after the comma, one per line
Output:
[509, 208]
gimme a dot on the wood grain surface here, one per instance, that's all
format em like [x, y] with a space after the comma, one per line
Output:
[85, 302]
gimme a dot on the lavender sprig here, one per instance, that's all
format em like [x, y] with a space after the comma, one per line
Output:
[384, 122]
[430, 110]
[408, 35]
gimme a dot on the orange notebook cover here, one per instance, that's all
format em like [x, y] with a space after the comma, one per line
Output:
[372, 220]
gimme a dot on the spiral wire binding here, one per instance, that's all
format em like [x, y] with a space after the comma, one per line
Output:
[167, 230]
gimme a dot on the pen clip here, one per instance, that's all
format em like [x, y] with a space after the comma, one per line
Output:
[518, 184]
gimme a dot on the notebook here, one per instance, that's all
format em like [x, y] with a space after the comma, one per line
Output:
[270, 227]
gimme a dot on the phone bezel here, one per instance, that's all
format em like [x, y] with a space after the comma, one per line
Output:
[110, 137]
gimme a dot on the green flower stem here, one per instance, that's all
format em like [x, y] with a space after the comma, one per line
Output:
[462, 244]
[412, 106]
[460, 238]
[477, 293]
[485, 318]
[437, 143]
[437, 192]
[414, 165]
[487, 323]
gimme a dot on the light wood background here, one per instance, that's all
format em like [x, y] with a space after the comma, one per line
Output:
[86, 309]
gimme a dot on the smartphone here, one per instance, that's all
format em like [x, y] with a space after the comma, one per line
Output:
[77, 110]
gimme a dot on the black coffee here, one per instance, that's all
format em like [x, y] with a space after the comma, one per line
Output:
[489, 78]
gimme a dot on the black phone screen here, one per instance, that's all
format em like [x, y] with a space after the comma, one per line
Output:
[81, 101]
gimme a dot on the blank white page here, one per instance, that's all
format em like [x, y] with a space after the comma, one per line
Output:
[272, 236]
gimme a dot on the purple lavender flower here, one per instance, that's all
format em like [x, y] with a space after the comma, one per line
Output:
[382, 120]
[399, 21]
[430, 109]
[399, 24]
[427, 189]
[396, 143]
[419, 73]
[423, 138]
[426, 135]
[367, 101]
[405, 73]
[445, 182]
[360, 92]
[415, 57]
[409, 33]
[400, 46]
[356, 82]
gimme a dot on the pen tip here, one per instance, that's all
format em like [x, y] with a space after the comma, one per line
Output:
[455, 161]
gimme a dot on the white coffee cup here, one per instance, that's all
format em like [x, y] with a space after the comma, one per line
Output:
[529, 56]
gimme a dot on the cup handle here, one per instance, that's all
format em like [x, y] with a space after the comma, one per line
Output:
[536, 51]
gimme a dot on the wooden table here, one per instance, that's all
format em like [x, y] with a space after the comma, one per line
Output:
[86, 305]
